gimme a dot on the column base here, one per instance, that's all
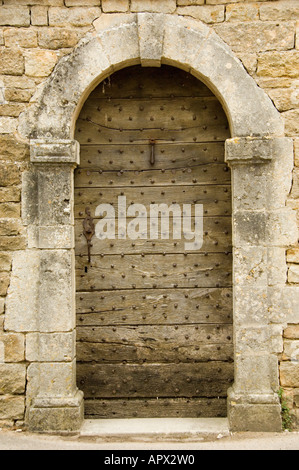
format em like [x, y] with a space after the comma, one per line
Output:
[51, 414]
[254, 413]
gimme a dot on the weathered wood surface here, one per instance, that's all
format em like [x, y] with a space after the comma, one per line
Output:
[134, 81]
[137, 271]
[216, 199]
[156, 408]
[216, 238]
[209, 379]
[135, 157]
[156, 306]
[155, 343]
[154, 322]
[206, 174]
[138, 120]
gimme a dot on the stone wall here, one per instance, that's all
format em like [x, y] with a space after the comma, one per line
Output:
[35, 34]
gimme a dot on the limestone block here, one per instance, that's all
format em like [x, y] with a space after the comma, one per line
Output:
[291, 122]
[5, 261]
[293, 274]
[278, 64]
[39, 15]
[4, 283]
[8, 125]
[258, 187]
[55, 107]
[9, 209]
[12, 407]
[155, 6]
[276, 265]
[150, 32]
[12, 243]
[190, 2]
[35, 2]
[76, 16]
[256, 373]
[242, 12]
[39, 63]
[293, 255]
[13, 347]
[281, 11]
[120, 43]
[113, 6]
[254, 417]
[296, 151]
[82, 3]
[9, 174]
[276, 228]
[251, 339]
[291, 350]
[252, 188]
[55, 414]
[12, 378]
[295, 185]
[249, 60]
[216, 2]
[17, 94]
[250, 305]
[207, 13]
[16, 81]
[283, 304]
[11, 61]
[56, 237]
[285, 98]
[55, 195]
[12, 109]
[289, 374]
[56, 291]
[53, 347]
[257, 36]
[297, 35]
[250, 149]
[57, 38]
[250, 266]
[12, 149]
[23, 290]
[57, 379]
[218, 66]
[14, 15]
[54, 151]
[296, 398]
[10, 227]
[20, 37]
[183, 39]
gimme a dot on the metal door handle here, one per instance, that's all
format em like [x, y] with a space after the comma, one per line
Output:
[88, 230]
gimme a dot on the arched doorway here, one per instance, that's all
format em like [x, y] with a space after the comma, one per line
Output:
[262, 224]
[154, 311]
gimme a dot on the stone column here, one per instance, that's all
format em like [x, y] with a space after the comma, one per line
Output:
[262, 229]
[56, 404]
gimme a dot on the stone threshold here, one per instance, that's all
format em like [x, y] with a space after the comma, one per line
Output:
[154, 429]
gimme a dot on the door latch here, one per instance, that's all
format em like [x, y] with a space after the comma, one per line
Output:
[88, 230]
[153, 156]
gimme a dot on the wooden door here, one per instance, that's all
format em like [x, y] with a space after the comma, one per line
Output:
[154, 321]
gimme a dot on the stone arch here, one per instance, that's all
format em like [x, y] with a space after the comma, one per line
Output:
[262, 224]
[120, 40]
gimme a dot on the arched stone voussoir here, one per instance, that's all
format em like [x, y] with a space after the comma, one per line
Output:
[121, 40]
[193, 46]
[53, 108]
